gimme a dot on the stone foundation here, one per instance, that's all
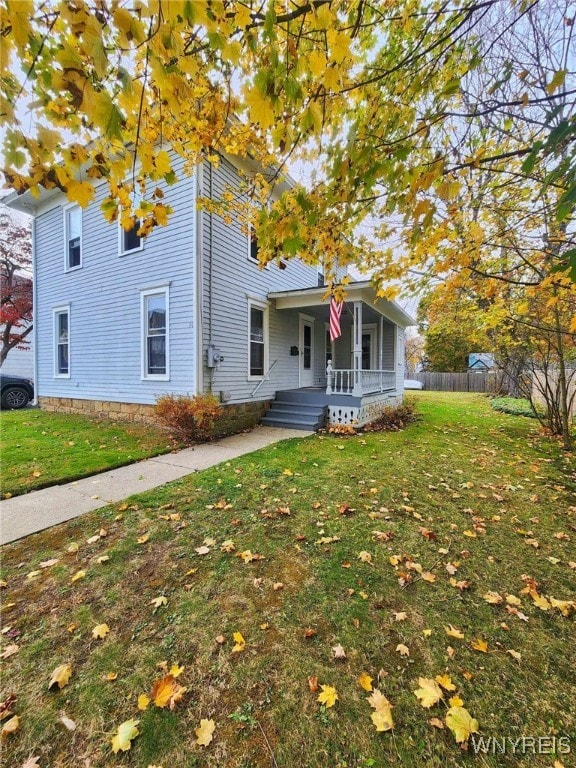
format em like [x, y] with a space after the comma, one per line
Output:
[234, 418]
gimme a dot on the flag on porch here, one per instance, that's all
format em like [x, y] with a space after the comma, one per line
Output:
[335, 312]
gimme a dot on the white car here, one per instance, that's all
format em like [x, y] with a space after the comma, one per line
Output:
[413, 384]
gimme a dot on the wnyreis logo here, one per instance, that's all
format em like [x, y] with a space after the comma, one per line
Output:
[524, 745]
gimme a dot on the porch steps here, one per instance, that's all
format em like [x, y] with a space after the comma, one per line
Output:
[295, 415]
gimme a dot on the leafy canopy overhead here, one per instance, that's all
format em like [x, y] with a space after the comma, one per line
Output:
[378, 97]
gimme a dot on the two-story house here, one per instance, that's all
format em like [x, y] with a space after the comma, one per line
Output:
[121, 319]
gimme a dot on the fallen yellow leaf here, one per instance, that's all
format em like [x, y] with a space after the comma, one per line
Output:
[461, 723]
[429, 692]
[328, 696]
[239, 641]
[60, 676]
[166, 692]
[205, 732]
[365, 681]
[126, 732]
[100, 631]
[143, 701]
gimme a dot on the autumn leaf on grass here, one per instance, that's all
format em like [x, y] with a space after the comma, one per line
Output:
[10, 650]
[10, 726]
[365, 557]
[403, 650]
[365, 681]
[77, 576]
[480, 645]
[124, 736]
[339, 652]
[60, 676]
[445, 682]
[493, 597]
[328, 697]
[100, 631]
[382, 716]
[429, 692]
[143, 701]
[247, 556]
[461, 723]
[166, 692]
[452, 631]
[239, 641]
[204, 732]
[159, 601]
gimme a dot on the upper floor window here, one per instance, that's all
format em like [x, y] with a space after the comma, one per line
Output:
[73, 236]
[155, 334]
[252, 245]
[62, 341]
[129, 238]
[258, 341]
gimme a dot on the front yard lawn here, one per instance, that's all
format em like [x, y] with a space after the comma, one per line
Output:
[441, 553]
[39, 449]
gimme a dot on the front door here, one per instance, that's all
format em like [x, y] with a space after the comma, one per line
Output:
[306, 353]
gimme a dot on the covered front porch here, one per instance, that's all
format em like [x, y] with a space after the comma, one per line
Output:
[357, 374]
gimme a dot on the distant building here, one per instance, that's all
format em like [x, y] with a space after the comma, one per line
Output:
[481, 361]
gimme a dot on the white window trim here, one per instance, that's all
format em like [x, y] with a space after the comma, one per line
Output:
[63, 308]
[121, 250]
[65, 210]
[144, 375]
[263, 306]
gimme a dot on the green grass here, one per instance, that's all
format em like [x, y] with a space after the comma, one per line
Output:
[465, 486]
[40, 449]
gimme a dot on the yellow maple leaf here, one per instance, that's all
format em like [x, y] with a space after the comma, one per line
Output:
[461, 723]
[80, 192]
[100, 631]
[61, 675]
[365, 557]
[175, 670]
[494, 598]
[446, 682]
[429, 692]
[205, 732]
[239, 641]
[455, 701]
[382, 716]
[403, 650]
[480, 645]
[261, 110]
[126, 732]
[328, 696]
[158, 601]
[365, 681]
[162, 163]
[166, 692]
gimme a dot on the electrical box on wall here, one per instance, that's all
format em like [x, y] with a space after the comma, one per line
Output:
[294, 351]
[213, 356]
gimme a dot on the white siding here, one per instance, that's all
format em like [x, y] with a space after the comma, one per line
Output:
[104, 298]
[231, 279]
[19, 362]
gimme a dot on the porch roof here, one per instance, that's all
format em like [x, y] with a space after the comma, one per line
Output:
[361, 290]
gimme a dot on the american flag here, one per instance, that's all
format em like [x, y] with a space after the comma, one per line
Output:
[335, 312]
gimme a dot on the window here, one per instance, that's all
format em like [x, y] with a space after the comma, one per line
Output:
[252, 245]
[129, 239]
[73, 236]
[155, 334]
[258, 340]
[62, 342]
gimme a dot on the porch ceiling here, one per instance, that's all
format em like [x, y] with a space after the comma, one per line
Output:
[314, 303]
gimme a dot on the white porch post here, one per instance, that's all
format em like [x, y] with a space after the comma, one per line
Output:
[381, 352]
[357, 391]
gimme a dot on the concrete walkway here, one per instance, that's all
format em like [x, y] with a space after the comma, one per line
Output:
[38, 510]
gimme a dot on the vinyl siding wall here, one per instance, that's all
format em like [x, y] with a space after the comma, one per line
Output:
[231, 280]
[105, 304]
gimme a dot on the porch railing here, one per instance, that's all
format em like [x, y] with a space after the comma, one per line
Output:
[348, 381]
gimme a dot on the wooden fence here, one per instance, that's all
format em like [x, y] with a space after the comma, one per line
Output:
[461, 382]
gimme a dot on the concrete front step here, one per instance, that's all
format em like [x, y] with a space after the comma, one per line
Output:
[292, 424]
[296, 415]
